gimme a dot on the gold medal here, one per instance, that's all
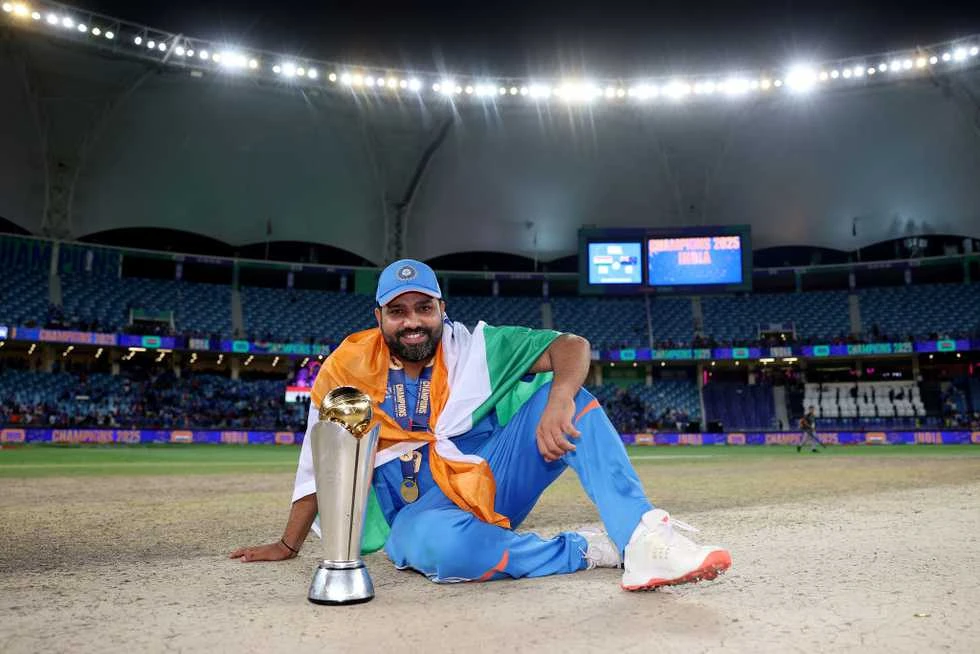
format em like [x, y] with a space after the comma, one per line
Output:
[410, 487]
[409, 490]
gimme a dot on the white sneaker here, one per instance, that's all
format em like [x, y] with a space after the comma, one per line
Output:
[602, 552]
[658, 556]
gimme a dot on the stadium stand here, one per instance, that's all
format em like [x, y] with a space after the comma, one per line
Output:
[106, 301]
[140, 401]
[815, 314]
[23, 297]
[868, 404]
[91, 260]
[24, 281]
[741, 406]
[321, 316]
[671, 320]
[865, 400]
[97, 296]
[606, 322]
[949, 309]
[974, 393]
[304, 315]
[680, 396]
[523, 311]
[666, 404]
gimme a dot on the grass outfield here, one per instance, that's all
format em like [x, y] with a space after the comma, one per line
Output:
[99, 460]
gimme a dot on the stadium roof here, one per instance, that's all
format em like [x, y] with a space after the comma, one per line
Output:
[147, 141]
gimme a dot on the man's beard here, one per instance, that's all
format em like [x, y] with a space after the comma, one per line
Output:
[418, 351]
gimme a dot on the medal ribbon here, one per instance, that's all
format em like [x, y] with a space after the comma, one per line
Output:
[411, 462]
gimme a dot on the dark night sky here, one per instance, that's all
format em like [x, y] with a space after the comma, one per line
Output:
[518, 38]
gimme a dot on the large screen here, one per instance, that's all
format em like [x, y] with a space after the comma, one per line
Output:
[679, 260]
[694, 260]
[301, 387]
[615, 263]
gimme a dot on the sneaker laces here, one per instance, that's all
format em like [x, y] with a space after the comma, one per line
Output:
[683, 525]
[679, 541]
[660, 537]
[601, 552]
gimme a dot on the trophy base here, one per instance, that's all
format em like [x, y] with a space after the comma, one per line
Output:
[341, 582]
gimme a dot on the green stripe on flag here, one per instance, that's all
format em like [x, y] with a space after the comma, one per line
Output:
[511, 351]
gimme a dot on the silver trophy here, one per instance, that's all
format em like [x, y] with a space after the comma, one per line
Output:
[343, 464]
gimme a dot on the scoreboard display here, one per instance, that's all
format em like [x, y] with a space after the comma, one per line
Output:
[690, 260]
[615, 263]
[694, 260]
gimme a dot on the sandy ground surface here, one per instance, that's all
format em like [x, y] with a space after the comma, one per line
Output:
[137, 564]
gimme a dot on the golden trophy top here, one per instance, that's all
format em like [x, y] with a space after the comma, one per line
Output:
[349, 407]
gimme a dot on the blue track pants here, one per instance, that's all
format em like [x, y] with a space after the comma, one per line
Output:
[447, 544]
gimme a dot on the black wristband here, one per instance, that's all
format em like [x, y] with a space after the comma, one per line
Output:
[286, 545]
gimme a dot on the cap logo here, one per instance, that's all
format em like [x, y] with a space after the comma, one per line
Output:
[406, 272]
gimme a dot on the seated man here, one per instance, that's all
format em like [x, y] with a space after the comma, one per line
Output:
[474, 427]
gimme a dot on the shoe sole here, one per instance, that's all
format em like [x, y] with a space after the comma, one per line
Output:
[713, 565]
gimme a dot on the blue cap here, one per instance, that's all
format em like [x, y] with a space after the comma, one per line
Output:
[404, 276]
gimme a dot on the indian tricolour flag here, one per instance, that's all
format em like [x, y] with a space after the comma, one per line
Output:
[474, 373]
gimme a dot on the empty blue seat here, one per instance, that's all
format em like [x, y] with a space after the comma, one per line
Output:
[23, 297]
[815, 314]
[304, 315]
[519, 311]
[740, 406]
[107, 300]
[941, 309]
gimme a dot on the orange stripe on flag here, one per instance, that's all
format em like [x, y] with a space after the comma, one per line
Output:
[362, 361]
[594, 404]
[501, 564]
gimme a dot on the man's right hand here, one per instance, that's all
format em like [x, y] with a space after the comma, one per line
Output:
[271, 552]
[301, 516]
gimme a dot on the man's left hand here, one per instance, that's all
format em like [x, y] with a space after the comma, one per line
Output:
[555, 424]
